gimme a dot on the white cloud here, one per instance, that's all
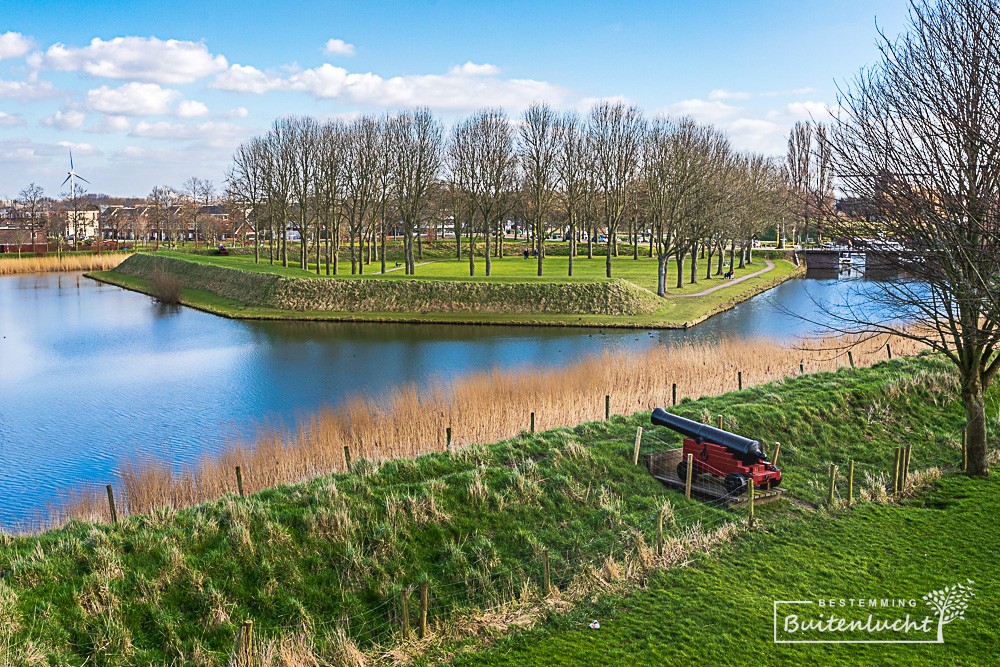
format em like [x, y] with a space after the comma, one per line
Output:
[755, 134]
[338, 47]
[10, 120]
[807, 110]
[66, 119]
[210, 133]
[241, 112]
[465, 87]
[79, 148]
[111, 123]
[138, 58]
[28, 91]
[723, 94]
[14, 45]
[472, 69]
[247, 79]
[703, 111]
[132, 99]
[191, 109]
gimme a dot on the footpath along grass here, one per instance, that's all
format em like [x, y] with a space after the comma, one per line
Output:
[719, 609]
[319, 566]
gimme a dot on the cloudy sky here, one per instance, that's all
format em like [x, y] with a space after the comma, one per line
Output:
[152, 93]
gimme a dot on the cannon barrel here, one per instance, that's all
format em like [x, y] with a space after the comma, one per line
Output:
[747, 449]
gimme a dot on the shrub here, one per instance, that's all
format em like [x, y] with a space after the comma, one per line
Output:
[166, 287]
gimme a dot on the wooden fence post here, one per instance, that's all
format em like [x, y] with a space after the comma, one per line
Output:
[244, 645]
[405, 595]
[850, 482]
[422, 628]
[895, 472]
[638, 441]
[802, 368]
[690, 471]
[448, 435]
[750, 490]
[607, 407]
[659, 534]
[111, 504]
[545, 582]
[777, 450]
[906, 465]
[675, 393]
[347, 457]
[239, 480]
[720, 422]
[739, 377]
[833, 484]
[850, 358]
[888, 348]
[532, 422]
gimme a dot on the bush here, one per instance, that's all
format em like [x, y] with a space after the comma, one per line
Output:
[166, 287]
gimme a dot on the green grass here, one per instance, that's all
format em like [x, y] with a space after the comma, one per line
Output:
[718, 611]
[674, 312]
[174, 585]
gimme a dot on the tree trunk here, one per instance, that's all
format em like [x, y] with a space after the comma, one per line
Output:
[472, 252]
[679, 259]
[973, 397]
[661, 274]
[611, 248]
[694, 262]
[572, 244]
[488, 265]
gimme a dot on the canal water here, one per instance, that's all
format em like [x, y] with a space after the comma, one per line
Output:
[92, 375]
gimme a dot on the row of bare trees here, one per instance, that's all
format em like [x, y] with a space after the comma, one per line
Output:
[673, 184]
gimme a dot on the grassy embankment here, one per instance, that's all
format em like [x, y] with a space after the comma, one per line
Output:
[442, 291]
[69, 261]
[318, 566]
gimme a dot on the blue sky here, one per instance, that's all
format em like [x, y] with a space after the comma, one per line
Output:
[152, 93]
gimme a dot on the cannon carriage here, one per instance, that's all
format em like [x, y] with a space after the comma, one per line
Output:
[721, 454]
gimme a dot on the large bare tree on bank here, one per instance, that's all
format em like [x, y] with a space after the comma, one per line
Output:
[31, 199]
[484, 162]
[571, 164]
[615, 133]
[810, 175]
[537, 150]
[247, 185]
[917, 141]
[417, 152]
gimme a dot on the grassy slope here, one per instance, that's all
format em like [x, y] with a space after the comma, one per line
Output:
[719, 610]
[675, 312]
[175, 585]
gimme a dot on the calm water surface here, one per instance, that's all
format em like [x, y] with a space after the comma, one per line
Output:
[92, 375]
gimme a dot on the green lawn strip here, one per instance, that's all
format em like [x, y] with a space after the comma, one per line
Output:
[674, 313]
[719, 611]
[173, 584]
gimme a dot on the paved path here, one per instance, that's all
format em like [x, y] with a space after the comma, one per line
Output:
[728, 283]
[398, 268]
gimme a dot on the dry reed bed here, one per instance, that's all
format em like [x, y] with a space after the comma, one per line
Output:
[479, 408]
[103, 262]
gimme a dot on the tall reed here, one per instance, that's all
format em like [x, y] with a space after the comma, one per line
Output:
[50, 262]
[479, 408]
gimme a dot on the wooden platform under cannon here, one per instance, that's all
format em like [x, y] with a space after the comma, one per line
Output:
[663, 467]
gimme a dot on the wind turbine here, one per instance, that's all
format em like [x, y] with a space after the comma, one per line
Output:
[71, 176]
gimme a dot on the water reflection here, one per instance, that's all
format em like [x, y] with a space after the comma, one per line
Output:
[93, 374]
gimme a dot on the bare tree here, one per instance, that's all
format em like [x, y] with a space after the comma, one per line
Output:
[537, 151]
[615, 134]
[247, 186]
[30, 199]
[810, 175]
[484, 162]
[918, 141]
[360, 180]
[418, 150]
[572, 166]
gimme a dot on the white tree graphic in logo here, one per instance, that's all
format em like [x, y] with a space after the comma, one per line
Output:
[950, 603]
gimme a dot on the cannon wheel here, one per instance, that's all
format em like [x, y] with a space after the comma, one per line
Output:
[682, 471]
[735, 484]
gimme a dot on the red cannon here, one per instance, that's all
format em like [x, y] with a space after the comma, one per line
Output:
[720, 453]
